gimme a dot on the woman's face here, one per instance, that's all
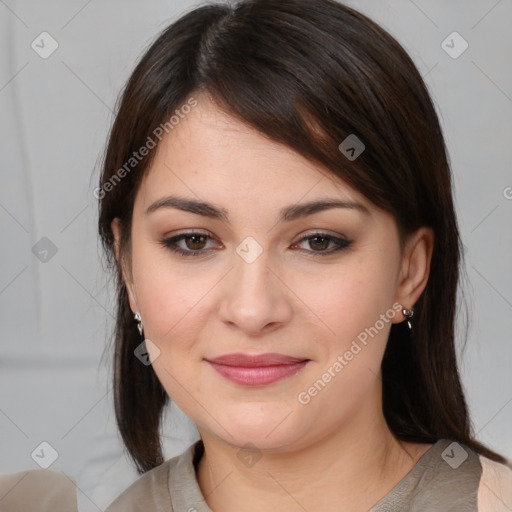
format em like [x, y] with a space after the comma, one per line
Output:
[251, 282]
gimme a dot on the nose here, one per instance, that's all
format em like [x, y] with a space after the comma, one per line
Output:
[255, 298]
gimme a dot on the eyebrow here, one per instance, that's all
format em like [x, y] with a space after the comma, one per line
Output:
[288, 213]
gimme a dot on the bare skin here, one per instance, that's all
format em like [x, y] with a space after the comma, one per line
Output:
[333, 451]
[351, 481]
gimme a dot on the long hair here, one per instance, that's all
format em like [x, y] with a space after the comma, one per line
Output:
[307, 74]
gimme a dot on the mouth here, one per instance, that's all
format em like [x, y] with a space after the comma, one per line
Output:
[256, 370]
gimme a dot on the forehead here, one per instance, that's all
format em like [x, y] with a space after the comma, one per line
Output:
[209, 153]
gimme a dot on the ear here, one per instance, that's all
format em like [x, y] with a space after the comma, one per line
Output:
[115, 225]
[415, 268]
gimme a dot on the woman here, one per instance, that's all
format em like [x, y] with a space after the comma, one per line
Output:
[276, 204]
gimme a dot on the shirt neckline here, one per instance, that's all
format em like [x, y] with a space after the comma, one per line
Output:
[398, 496]
[186, 494]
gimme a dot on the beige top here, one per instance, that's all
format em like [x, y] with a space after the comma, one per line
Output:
[449, 477]
[37, 490]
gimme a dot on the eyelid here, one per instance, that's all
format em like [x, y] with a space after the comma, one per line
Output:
[190, 231]
[311, 232]
[170, 243]
[341, 243]
[321, 232]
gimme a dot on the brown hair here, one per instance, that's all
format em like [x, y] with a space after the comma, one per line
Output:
[306, 73]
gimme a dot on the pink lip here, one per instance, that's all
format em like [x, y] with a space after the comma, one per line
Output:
[256, 370]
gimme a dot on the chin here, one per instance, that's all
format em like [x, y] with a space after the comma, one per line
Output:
[269, 433]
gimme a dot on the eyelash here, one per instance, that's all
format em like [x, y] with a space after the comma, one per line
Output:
[170, 243]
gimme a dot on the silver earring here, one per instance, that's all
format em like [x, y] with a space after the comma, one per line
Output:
[408, 313]
[139, 324]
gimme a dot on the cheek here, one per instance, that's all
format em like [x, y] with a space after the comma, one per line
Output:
[176, 308]
[349, 300]
[170, 296]
[175, 314]
[350, 296]
[353, 347]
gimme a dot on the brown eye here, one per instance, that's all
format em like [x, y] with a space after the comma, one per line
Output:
[319, 243]
[194, 244]
[198, 242]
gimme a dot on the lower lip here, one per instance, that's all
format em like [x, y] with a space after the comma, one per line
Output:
[257, 375]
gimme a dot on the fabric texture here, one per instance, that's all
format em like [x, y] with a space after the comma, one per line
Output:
[447, 477]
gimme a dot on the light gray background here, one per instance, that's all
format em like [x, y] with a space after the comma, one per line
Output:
[55, 316]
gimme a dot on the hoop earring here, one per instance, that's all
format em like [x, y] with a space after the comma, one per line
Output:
[138, 318]
[408, 313]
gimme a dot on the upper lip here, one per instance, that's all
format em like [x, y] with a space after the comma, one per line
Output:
[245, 360]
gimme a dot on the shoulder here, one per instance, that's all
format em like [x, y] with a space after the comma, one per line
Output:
[495, 489]
[38, 489]
[149, 492]
[446, 477]
[152, 491]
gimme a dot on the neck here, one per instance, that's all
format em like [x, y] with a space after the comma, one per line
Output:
[350, 469]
